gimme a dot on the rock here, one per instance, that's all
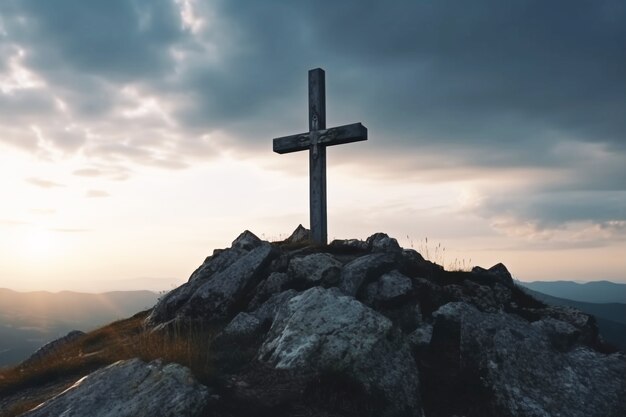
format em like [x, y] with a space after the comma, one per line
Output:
[498, 271]
[523, 374]
[316, 269]
[246, 241]
[420, 337]
[268, 310]
[52, 347]
[300, 235]
[486, 298]
[322, 329]
[130, 388]
[380, 242]
[388, 288]
[348, 246]
[243, 325]
[214, 298]
[273, 284]
[223, 258]
[169, 306]
[211, 297]
[364, 269]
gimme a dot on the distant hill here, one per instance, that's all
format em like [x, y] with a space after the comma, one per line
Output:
[590, 292]
[30, 319]
[611, 317]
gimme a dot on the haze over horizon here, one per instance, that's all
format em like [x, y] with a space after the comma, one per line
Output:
[136, 135]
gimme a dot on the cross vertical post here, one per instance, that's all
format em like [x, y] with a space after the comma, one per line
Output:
[317, 157]
[315, 141]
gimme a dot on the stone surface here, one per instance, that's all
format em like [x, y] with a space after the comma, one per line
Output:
[300, 235]
[170, 306]
[211, 297]
[322, 329]
[315, 269]
[380, 242]
[268, 310]
[498, 271]
[243, 324]
[52, 347]
[389, 287]
[129, 389]
[364, 269]
[523, 372]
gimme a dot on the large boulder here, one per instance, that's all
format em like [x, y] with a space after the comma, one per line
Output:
[323, 330]
[315, 269]
[216, 286]
[528, 369]
[129, 389]
[364, 270]
[52, 348]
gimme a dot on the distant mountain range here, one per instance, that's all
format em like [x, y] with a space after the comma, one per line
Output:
[30, 319]
[590, 292]
[610, 316]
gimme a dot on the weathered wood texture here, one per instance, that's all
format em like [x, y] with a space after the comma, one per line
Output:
[317, 156]
[339, 135]
[316, 140]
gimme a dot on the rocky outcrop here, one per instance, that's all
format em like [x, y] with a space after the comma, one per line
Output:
[354, 328]
[529, 369]
[299, 323]
[51, 348]
[130, 388]
[217, 285]
[324, 330]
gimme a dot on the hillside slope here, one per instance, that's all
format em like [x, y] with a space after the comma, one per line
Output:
[30, 319]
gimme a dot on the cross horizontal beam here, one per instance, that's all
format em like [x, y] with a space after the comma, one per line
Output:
[339, 135]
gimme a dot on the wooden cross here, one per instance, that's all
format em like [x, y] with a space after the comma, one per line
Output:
[316, 140]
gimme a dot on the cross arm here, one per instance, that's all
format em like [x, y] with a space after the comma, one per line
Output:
[328, 137]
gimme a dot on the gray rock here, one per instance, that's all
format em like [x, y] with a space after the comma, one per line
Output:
[52, 347]
[364, 269]
[389, 287]
[214, 298]
[300, 235]
[316, 269]
[243, 325]
[167, 308]
[130, 388]
[380, 242]
[273, 284]
[348, 245]
[420, 337]
[499, 272]
[211, 296]
[518, 363]
[268, 310]
[322, 329]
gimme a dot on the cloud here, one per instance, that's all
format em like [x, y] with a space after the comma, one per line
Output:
[501, 91]
[40, 182]
[96, 194]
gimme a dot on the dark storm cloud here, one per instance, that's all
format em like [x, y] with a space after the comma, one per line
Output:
[507, 75]
[489, 85]
[115, 39]
[555, 208]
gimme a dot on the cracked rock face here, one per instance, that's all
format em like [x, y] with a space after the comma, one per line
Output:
[384, 317]
[532, 369]
[322, 329]
[129, 389]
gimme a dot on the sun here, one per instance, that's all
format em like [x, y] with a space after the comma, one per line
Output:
[39, 244]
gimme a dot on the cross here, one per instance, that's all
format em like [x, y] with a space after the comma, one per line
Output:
[316, 140]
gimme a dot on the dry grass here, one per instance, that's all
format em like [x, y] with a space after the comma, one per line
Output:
[120, 340]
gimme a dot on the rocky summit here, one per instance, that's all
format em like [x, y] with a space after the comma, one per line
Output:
[360, 328]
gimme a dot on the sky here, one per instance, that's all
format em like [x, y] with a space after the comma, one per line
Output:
[136, 135]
